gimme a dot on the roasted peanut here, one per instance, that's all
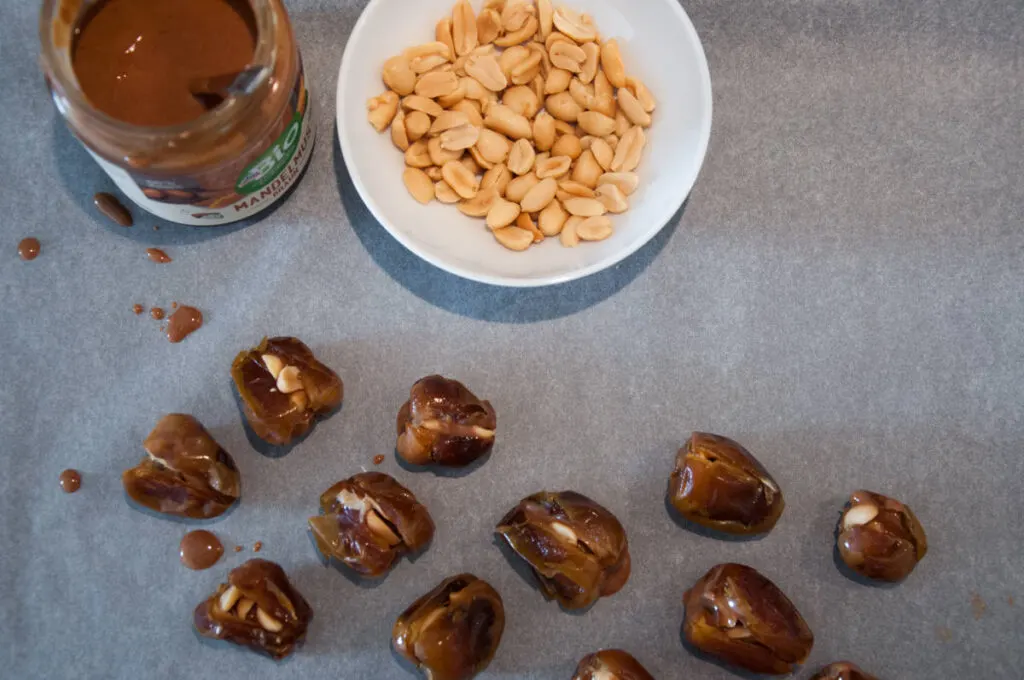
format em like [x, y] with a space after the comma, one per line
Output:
[517, 37]
[568, 56]
[522, 157]
[522, 100]
[417, 124]
[597, 124]
[544, 131]
[437, 84]
[497, 178]
[584, 207]
[545, 16]
[419, 185]
[540, 196]
[415, 102]
[439, 155]
[417, 156]
[512, 57]
[481, 204]
[557, 81]
[443, 34]
[524, 221]
[503, 213]
[572, 24]
[493, 146]
[567, 145]
[588, 70]
[459, 138]
[612, 198]
[460, 179]
[472, 111]
[594, 228]
[488, 26]
[488, 72]
[642, 94]
[399, 134]
[554, 166]
[627, 182]
[518, 188]
[632, 108]
[464, 32]
[611, 62]
[587, 171]
[552, 219]
[629, 151]
[569, 237]
[603, 153]
[506, 121]
[382, 110]
[514, 238]
[445, 194]
[399, 76]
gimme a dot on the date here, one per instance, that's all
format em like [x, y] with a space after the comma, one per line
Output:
[576, 548]
[611, 664]
[445, 424]
[185, 472]
[284, 388]
[718, 484]
[257, 608]
[739, 616]
[369, 521]
[452, 632]
[880, 538]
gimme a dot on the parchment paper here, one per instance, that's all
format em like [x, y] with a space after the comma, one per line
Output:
[843, 294]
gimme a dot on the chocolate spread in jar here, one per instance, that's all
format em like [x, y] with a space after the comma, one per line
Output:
[200, 549]
[183, 323]
[28, 248]
[137, 60]
[158, 256]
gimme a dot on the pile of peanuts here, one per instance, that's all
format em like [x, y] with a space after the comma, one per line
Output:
[521, 115]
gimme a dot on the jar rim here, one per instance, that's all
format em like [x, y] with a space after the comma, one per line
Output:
[68, 94]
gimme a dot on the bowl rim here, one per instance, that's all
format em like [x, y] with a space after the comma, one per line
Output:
[345, 68]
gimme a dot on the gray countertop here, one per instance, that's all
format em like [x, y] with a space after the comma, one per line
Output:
[844, 294]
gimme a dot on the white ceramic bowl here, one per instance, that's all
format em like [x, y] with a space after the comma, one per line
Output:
[659, 45]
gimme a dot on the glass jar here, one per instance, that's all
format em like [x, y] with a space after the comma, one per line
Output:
[229, 163]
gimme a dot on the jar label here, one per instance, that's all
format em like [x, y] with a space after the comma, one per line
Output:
[199, 201]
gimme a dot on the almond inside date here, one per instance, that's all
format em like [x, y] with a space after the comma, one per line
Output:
[880, 538]
[369, 521]
[576, 548]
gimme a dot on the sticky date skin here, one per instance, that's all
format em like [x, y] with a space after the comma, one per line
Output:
[445, 424]
[185, 473]
[718, 484]
[739, 616]
[611, 664]
[842, 670]
[279, 418]
[452, 632]
[368, 543]
[577, 549]
[257, 608]
[885, 547]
